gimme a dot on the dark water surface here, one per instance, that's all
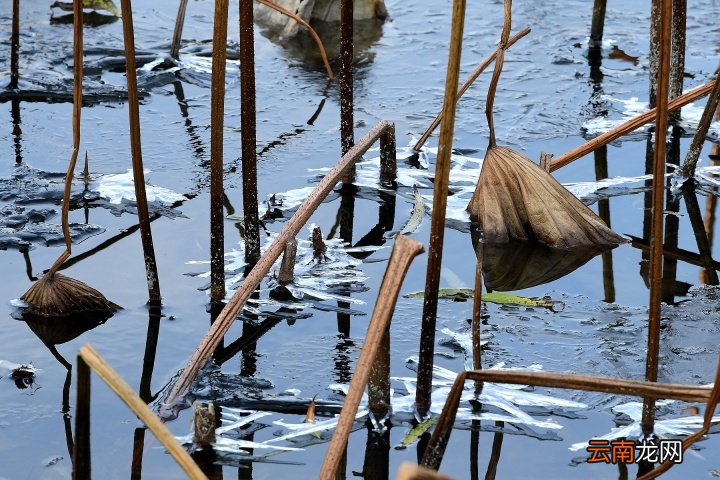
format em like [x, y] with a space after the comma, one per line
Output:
[546, 94]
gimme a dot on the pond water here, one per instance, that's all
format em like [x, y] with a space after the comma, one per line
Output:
[547, 101]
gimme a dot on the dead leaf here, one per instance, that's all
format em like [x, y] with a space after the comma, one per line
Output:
[516, 199]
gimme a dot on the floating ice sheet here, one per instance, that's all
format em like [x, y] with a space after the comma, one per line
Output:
[632, 107]
[317, 278]
[678, 426]
[464, 171]
[118, 187]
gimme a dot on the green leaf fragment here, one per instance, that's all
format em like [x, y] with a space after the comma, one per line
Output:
[498, 298]
[416, 432]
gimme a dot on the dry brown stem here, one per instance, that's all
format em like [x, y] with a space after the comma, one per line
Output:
[437, 224]
[207, 346]
[310, 30]
[471, 79]
[629, 126]
[140, 408]
[404, 251]
[436, 447]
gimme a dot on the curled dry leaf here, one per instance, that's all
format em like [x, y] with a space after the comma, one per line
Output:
[516, 199]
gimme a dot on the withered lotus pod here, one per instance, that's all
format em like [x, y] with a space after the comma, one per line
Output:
[56, 295]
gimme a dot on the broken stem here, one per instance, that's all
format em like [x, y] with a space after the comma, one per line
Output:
[116, 383]
[310, 30]
[207, 346]
[404, 251]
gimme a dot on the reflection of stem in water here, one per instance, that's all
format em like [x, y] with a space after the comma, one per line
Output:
[81, 456]
[343, 370]
[151, 272]
[137, 455]
[647, 209]
[345, 219]
[711, 204]
[280, 140]
[347, 138]
[709, 274]
[248, 131]
[17, 130]
[316, 114]
[105, 244]
[474, 447]
[217, 121]
[672, 227]
[601, 172]
[248, 369]
[601, 167]
[377, 455]
[379, 380]
[28, 264]
[477, 312]
[196, 142]
[151, 341]
[65, 400]
[249, 352]
[676, 253]
[595, 62]
[495, 452]
[86, 182]
[249, 337]
[622, 471]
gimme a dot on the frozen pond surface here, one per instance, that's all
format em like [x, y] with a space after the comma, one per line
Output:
[547, 101]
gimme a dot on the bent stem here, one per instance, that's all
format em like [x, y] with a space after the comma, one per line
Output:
[404, 251]
[307, 26]
[470, 80]
[77, 107]
[499, 60]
